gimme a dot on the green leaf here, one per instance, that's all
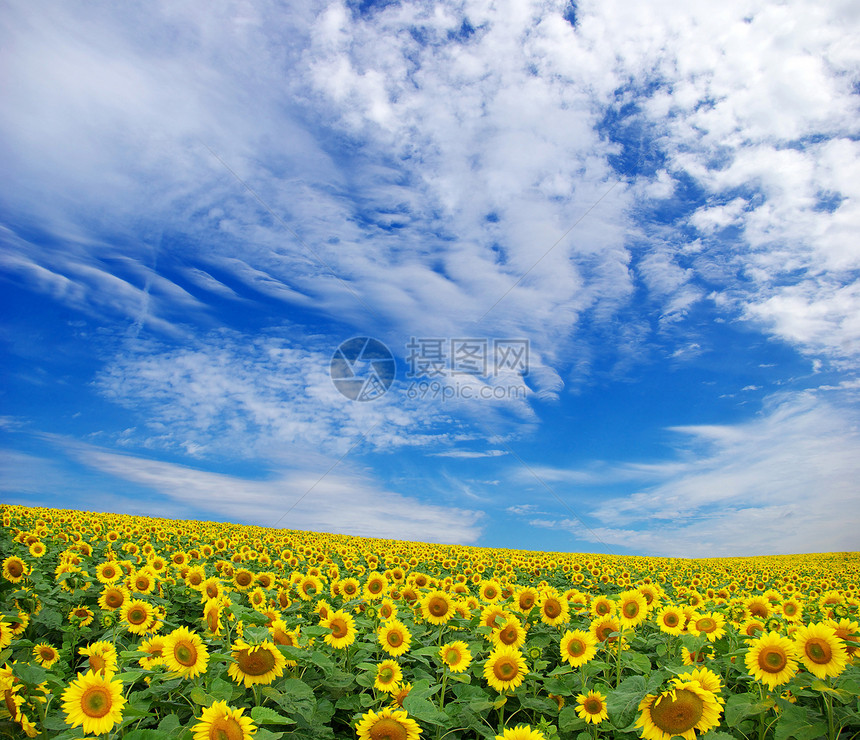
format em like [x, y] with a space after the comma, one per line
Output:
[424, 711]
[222, 690]
[30, 674]
[267, 716]
[800, 724]
[741, 706]
[623, 702]
[168, 724]
[569, 720]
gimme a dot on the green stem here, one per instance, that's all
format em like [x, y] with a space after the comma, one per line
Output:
[828, 704]
[442, 693]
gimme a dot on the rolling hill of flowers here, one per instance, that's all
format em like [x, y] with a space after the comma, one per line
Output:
[139, 628]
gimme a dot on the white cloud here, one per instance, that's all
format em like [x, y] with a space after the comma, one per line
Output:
[785, 482]
[301, 498]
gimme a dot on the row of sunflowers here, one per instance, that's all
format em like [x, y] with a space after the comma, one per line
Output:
[142, 628]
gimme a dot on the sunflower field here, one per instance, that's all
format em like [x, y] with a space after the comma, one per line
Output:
[139, 628]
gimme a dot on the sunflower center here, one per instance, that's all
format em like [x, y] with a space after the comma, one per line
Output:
[244, 579]
[11, 707]
[374, 587]
[505, 669]
[818, 651]
[15, 568]
[508, 635]
[211, 590]
[706, 624]
[226, 728]
[490, 593]
[114, 599]
[338, 628]
[97, 663]
[437, 606]
[46, 653]
[789, 610]
[185, 654]
[772, 660]
[671, 620]
[576, 648]
[631, 609]
[255, 663]
[388, 728]
[552, 608]
[137, 616]
[386, 675]
[602, 608]
[452, 657]
[593, 706]
[395, 639]
[108, 572]
[527, 601]
[679, 715]
[96, 701]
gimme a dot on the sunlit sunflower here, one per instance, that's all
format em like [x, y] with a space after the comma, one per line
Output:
[259, 663]
[185, 653]
[211, 588]
[387, 724]
[847, 631]
[456, 656]
[521, 732]
[398, 697]
[554, 610]
[752, 627]
[82, 613]
[38, 549]
[437, 607]
[138, 616]
[387, 609]
[525, 598]
[283, 635]
[394, 637]
[791, 610]
[113, 597]
[212, 616]
[243, 579]
[578, 647]
[220, 722]
[490, 591]
[341, 628]
[45, 654]
[95, 702]
[710, 625]
[680, 711]
[154, 649]
[820, 650]
[108, 572]
[671, 620]
[772, 659]
[632, 608]
[592, 707]
[375, 587]
[505, 668]
[509, 633]
[706, 678]
[603, 629]
[349, 588]
[388, 676]
[602, 606]
[101, 657]
[309, 587]
[14, 569]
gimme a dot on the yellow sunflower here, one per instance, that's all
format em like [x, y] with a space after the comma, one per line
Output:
[772, 659]
[554, 610]
[138, 616]
[505, 669]
[592, 707]
[437, 607]
[710, 625]
[820, 650]
[185, 653]
[578, 647]
[108, 572]
[603, 629]
[387, 724]
[394, 637]
[632, 608]
[341, 628]
[154, 648]
[521, 732]
[375, 587]
[509, 634]
[387, 609]
[602, 606]
[388, 676]
[14, 569]
[101, 657]
[45, 654]
[456, 656]
[95, 702]
[671, 620]
[706, 678]
[680, 711]
[256, 664]
[524, 599]
[83, 614]
[113, 597]
[220, 722]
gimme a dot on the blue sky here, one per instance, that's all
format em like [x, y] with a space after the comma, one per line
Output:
[202, 201]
